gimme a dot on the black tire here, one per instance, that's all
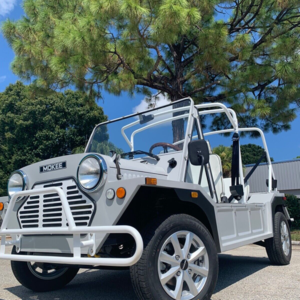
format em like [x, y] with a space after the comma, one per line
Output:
[144, 274]
[274, 246]
[26, 276]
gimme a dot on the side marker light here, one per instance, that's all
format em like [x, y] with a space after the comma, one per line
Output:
[194, 194]
[121, 193]
[151, 181]
[1, 206]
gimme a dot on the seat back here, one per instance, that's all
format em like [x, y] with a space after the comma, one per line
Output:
[217, 173]
[193, 173]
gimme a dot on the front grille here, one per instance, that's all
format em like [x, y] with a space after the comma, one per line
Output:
[45, 210]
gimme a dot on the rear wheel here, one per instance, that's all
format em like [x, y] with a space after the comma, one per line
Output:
[180, 261]
[279, 248]
[42, 277]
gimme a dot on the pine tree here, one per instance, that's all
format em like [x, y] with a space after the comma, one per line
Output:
[244, 53]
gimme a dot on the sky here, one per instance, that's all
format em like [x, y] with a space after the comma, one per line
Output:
[282, 146]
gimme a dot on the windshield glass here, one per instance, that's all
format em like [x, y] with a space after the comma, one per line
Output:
[155, 131]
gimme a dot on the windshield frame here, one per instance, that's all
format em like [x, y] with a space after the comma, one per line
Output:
[191, 108]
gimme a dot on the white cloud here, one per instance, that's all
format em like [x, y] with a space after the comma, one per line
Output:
[2, 78]
[6, 6]
[158, 101]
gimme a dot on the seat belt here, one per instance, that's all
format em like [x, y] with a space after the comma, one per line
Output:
[235, 163]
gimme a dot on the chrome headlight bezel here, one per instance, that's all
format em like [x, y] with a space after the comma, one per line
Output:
[24, 183]
[103, 172]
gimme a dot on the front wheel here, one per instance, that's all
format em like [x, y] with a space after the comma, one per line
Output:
[279, 248]
[179, 261]
[42, 277]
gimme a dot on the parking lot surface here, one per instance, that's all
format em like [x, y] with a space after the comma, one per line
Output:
[245, 273]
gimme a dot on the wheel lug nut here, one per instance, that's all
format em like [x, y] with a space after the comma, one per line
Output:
[189, 256]
[177, 257]
[178, 273]
[190, 271]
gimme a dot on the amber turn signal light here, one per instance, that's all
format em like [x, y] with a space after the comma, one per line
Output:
[194, 194]
[1, 206]
[151, 181]
[121, 193]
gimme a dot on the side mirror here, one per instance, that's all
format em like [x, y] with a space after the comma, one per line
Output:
[198, 152]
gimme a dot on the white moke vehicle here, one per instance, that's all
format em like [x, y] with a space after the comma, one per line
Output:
[157, 206]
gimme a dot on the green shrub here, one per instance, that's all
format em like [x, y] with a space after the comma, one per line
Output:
[293, 205]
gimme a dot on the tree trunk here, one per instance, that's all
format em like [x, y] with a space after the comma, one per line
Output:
[178, 125]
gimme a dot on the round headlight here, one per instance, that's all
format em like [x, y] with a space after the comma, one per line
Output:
[91, 172]
[16, 183]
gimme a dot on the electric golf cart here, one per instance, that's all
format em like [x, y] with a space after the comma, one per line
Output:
[149, 194]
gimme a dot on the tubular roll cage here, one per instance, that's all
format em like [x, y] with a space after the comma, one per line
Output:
[71, 229]
[211, 108]
[221, 108]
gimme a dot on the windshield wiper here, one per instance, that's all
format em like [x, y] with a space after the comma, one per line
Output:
[130, 154]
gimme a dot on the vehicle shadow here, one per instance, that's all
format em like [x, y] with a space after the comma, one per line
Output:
[89, 284]
[111, 285]
[235, 268]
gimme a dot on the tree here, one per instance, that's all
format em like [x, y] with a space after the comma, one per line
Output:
[293, 205]
[297, 157]
[243, 52]
[225, 154]
[34, 128]
[251, 153]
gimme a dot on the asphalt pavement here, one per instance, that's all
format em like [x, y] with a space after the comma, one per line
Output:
[245, 273]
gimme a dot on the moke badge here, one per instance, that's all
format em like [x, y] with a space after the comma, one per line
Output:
[53, 167]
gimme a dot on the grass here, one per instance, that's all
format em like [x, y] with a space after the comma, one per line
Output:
[295, 235]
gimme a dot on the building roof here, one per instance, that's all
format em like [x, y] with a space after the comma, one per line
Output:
[274, 163]
[287, 174]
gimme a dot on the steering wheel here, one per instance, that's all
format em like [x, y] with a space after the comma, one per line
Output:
[165, 146]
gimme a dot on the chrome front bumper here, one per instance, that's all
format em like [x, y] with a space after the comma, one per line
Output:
[71, 229]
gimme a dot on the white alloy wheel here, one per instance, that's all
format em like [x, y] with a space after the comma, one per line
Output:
[285, 238]
[279, 247]
[183, 265]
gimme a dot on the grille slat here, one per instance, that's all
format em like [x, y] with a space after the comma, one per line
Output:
[45, 210]
[81, 223]
[58, 204]
[29, 217]
[74, 197]
[29, 221]
[73, 192]
[53, 221]
[72, 187]
[81, 213]
[31, 207]
[33, 202]
[77, 202]
[47, 216]
[52, 225]
[51, 200]
[52, 210]
[80, 206]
